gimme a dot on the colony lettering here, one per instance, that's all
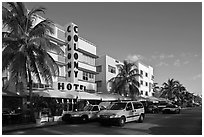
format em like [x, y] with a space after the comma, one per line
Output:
[70, 86]
[72, 46]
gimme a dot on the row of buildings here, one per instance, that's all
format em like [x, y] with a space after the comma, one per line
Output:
[81, 69]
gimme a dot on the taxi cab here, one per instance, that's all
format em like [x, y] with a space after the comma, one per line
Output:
[121, 112]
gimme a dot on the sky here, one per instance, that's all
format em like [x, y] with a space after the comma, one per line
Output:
[166, 36]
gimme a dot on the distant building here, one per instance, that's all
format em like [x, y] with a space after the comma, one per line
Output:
[147, 79]
[106, 66]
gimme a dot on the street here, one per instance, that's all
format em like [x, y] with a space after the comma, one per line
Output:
[188, 122]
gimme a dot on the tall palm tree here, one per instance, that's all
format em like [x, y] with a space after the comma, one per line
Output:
[169, 89]
[125, 83]
[179, 92]
[25, 45]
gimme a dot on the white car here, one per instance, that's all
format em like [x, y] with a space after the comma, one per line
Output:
[121, 112]
[170, 108]
[89, 113]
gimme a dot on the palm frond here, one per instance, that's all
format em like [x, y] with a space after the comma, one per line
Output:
[42, 28]
[35, 11]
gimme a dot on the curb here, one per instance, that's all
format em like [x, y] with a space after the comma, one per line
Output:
[30, 126]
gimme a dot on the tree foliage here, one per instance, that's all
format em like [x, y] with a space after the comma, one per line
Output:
[125, 83]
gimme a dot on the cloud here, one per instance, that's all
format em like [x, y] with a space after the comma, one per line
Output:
[189, 55]
[177, 63]
[162, 64]
[197, 76]
[162, 56]
[186, 62]
[135, 57]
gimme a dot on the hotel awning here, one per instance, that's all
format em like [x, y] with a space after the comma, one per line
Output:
[66, 94]
[49, 93]
[81, 95]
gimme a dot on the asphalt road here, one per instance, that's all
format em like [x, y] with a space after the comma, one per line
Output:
[189, 122]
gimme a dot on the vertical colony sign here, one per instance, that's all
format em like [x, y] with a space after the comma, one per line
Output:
[71, 36]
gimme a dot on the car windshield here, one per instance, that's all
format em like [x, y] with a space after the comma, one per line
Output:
[88, 108]
[117, 106]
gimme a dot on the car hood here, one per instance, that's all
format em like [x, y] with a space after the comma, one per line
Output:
[109, 112]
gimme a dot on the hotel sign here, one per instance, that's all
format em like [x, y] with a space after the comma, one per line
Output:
[70, 86]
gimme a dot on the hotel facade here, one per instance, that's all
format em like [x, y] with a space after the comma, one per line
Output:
[80, 69]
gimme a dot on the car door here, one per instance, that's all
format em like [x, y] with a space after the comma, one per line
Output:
[129, 112]
[95, 111]
[137, 110]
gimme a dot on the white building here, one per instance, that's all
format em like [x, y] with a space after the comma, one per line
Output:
[106, 66]
[147, 79]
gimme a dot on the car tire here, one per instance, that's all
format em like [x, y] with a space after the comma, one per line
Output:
[66, 118]
[141, 119]
[84, 119]
[121, 121]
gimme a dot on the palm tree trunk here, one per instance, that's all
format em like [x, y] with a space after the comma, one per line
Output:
[30, 83]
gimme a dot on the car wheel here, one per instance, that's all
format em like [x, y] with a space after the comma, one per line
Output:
[84, 118]
[141, 119]
[121, 121]
[66, 118]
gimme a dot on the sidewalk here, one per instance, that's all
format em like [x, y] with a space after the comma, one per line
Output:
[29, 126]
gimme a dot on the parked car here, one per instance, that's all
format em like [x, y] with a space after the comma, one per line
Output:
[88, 113]
[152, 109]
[170, 108]
[162, 104]
[121, 112]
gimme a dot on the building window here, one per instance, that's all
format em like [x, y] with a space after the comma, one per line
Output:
[146, 74]
[146, 83]
[91, 76]
[88, 76]
[111, 69]
[141, 72]
[89, 60]
[141, 82]
[146, 93]
[99, 84]
[85, 76]
[141, 92]
[99, 68]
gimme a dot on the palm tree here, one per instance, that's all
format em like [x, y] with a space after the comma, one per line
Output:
[179, 93]
[25, 45]
[169, 89]
[125, 83]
